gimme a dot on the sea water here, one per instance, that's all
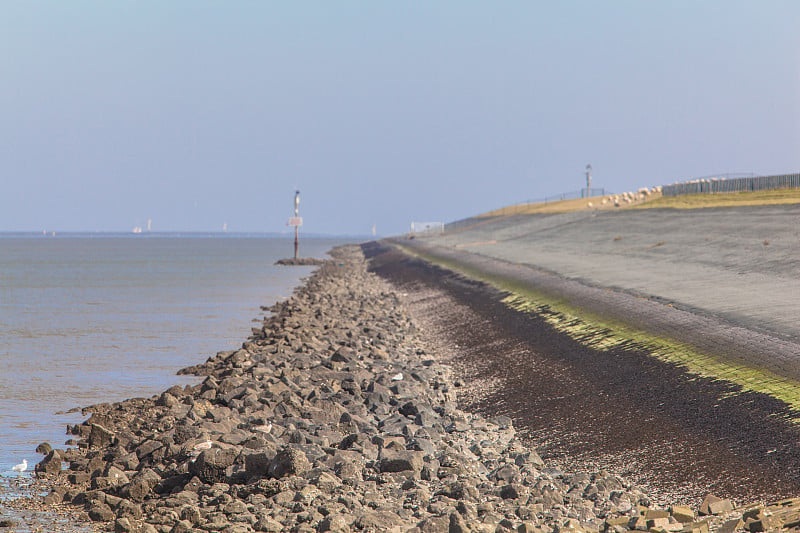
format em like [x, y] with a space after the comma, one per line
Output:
[86, 319]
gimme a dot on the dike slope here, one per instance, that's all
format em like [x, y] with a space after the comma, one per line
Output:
[740, 264]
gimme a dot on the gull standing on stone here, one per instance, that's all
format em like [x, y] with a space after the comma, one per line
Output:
[23, 466]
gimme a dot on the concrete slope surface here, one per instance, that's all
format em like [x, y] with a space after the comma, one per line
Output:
[741, 265]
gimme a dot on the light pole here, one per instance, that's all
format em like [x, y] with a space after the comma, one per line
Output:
[588, 181]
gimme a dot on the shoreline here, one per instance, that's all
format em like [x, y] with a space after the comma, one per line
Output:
[334, 416]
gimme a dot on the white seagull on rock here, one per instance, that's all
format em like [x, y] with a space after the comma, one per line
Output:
[23, 466]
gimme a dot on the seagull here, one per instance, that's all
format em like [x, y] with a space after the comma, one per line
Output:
[23, 466]
[398, 377]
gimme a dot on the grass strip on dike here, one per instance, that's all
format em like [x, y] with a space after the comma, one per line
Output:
[730, 199]
[602, 334]
[652, 201]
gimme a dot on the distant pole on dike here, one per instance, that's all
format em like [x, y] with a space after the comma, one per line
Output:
[296, 225]
[588, 181]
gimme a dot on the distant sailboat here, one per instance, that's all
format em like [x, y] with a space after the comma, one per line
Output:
[224, 227]
[149, 223]
[137, 229]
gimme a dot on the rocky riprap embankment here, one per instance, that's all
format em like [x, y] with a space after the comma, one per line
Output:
[300, 261]
[331, 417]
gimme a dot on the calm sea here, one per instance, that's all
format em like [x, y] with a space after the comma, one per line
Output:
[87, 319]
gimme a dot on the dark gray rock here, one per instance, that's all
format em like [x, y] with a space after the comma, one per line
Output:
[289, 461]
[141, 485]
[124, 525]
[99, 436]
[399, 461]
[101, 512]
[50, 465]
[147, 448]
[212, 466]
[182, 526]
[44, 448]
[257, 464]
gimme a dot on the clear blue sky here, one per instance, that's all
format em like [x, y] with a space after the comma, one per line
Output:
[198, 113]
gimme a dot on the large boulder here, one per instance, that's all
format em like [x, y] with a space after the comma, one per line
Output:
[141, 485]
[99, 436]
[257, 464]
[400, 460]
[212, 466]
[50, 464]
[289, 461]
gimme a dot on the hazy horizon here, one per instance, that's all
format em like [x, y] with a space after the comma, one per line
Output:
[198, 114]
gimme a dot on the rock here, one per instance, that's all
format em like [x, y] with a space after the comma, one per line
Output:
[141, 485]
[327, 482]
[529, 458]
[510, 492]
[123, 525]
[128, 509]
[99, 436]
[435, 524]
[696, 527]
[211, 466]
[269, 525]
[334, 523]
[682, 514]
[116, 476]
[257, 464]
[400, 461]
[288, 461]
[101, 512]
[54, 496]
[166, 400]
[182, 526]
[712, 505]
[50, 465]
[147, 448]
[767, 523]
[376, 520]
[44, 448]
[730, 526]
[457, 524]
[409, 409]
[300, 261]
[460, 491]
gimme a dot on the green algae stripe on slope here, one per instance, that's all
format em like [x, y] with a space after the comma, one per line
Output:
[605, 335]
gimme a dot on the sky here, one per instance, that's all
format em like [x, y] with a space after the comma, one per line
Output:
[203, 113]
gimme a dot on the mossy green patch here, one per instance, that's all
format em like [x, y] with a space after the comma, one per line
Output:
[602, 334]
